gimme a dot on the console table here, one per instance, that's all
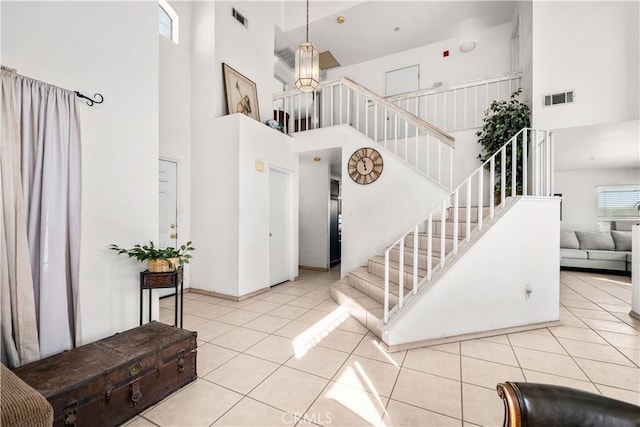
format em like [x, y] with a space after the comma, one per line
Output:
[171, 279]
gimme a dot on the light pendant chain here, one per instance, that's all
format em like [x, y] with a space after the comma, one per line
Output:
[307, 21]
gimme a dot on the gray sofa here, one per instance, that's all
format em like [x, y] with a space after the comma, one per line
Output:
[609, 250]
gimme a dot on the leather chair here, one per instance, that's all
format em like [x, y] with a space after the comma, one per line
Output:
[545, 405]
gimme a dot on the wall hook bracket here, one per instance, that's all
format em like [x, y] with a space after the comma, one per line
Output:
[97, 98]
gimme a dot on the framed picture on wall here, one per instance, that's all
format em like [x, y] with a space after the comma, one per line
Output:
[240, 93]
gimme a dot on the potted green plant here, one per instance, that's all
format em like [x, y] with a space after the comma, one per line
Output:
[502, 120]
[158, 260]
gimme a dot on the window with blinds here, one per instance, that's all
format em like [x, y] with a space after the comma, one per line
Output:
[618, 202]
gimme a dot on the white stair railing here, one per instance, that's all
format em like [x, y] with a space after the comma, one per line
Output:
[416, 142]
[460, 106]
[508, 174]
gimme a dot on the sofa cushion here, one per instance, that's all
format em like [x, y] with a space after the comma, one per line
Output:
[596, 241]
[607, 255]
[628, 256]
[622, 240]
[568, 240]
[573, 253]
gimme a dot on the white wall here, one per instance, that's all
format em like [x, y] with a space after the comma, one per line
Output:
[491, 56]
[591, 48]
[259, 142]
[175, 114]
[111, 48]
[375, 215]
[247, 50]
[314, 213]
[525, 48]
[578, 189]
[485, 288]
[230, 205]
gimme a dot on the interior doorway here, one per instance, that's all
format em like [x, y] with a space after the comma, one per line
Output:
[279, 226]
[168, 209]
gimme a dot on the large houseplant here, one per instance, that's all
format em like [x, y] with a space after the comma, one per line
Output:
[158, 260]
[502, 120]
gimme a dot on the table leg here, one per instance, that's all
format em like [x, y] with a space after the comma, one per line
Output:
[141, 305]
[150, 305]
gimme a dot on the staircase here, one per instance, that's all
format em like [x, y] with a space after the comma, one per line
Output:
[376, 293]
[363, 290]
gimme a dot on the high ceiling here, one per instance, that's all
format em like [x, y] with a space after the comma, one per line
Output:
[369, 30]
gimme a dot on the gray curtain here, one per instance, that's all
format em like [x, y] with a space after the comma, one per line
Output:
[51, 177]
[18, 316]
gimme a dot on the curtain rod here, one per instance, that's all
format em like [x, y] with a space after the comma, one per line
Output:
[96, 99]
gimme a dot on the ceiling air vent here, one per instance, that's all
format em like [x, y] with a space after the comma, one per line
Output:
[287, 55]
[557, 98]
[239, 17]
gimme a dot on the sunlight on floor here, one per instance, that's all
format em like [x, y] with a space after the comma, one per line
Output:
[316, 333]
[384, 352]
[359, 402]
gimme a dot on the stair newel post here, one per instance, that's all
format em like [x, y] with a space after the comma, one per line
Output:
[514, 164]
[430, 246]
[443, 225]
[503, 174]
[455, 220]
[415, 260]
[386, 286]
[480, 191]
[401, 275]
[492, 184]
[525, 178]
[467, 235]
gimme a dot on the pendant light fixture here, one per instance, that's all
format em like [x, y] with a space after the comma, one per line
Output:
[307, 64]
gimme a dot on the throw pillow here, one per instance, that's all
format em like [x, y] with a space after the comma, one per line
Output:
[596, 241]
[622, 240]
[568, 240]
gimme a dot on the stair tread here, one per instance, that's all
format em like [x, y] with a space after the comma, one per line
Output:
[379, 259]
[408, 251]
[377, 281]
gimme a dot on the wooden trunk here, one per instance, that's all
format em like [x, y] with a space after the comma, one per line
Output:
[109, 381]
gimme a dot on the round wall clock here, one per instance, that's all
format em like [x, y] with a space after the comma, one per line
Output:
[365, 165]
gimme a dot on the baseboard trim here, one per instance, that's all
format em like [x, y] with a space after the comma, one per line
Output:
[304, 267]
[226, 296]
[467, 337]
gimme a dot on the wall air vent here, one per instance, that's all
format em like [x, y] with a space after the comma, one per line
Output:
[239, 17]
[557, 98]
[287, 56]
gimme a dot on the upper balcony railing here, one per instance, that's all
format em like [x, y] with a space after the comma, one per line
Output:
[416, 142]
[459, 106]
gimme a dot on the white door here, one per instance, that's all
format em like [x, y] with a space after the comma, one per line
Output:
[168, 205]
[279, 218]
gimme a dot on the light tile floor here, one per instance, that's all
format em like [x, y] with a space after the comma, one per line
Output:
[291, 356]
